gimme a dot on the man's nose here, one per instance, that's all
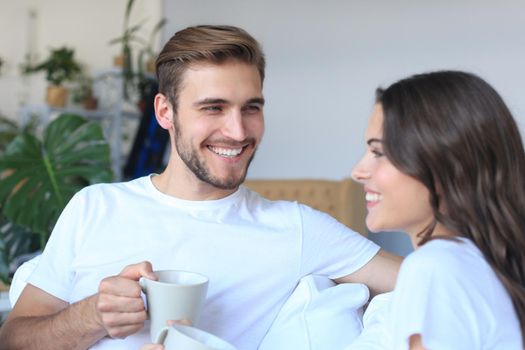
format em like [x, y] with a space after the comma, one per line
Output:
[234, 126]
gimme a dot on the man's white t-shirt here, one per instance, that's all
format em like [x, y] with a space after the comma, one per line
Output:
[253, 250]
[448, 293]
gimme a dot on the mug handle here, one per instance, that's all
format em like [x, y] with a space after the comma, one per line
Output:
[143, 286]
[142, 283]
[161, 336]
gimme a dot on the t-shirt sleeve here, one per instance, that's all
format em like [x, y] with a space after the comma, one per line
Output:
[330, 248]
[54, 273]
[431, 299]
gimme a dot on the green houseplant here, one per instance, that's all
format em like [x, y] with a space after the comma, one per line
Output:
[60, 66]
[38, 176]
[130, 40]
[82, 92]
[15, 240]
[8, 131]
[146, 66]
[125, 59]
[147, 54]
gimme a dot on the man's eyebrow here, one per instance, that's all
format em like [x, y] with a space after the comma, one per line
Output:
[373, 140]
[257, 100]
[210, 101]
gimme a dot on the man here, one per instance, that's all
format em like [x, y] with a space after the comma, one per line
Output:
[194, 216]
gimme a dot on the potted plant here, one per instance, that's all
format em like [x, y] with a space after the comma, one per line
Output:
[125, 59]
[15, 241]
[82, 92]
[59, 67]
[146, 66]
[147, 55]
[8, 131]
[38, 176]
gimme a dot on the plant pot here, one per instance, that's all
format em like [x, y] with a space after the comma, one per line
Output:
[141, 105]
[56, 96]
[90, 103]
[150, 66]
[118, 61]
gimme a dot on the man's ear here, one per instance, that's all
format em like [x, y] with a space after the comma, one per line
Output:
[163, 111]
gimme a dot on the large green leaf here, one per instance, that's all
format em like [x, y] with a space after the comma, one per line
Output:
[8, 131]
[15, 241]
[40, 176]
[129, 6]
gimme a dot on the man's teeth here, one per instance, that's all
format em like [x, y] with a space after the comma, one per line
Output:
[372, 197]
[226, 152]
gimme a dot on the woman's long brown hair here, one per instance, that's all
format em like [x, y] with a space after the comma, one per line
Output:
[453, 132]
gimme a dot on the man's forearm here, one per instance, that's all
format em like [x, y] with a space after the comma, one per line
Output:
[75, 327]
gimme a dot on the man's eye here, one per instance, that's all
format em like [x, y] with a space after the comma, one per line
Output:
[252, 108]
[213, 108]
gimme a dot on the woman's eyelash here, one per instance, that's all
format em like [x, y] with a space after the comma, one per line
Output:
[377, 153]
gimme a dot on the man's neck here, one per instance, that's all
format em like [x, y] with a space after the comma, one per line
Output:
[183, 184]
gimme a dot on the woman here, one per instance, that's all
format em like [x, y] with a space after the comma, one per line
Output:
[445, 163]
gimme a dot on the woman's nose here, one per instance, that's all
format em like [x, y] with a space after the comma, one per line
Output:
[360, 172]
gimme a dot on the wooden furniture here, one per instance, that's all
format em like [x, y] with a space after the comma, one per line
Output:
[344, 200]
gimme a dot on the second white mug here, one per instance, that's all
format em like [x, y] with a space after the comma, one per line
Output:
[180, 337]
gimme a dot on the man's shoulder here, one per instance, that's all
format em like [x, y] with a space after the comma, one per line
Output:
[275, 212]
[101, 190]
[256, 199]
[292, 211]
[282, 204]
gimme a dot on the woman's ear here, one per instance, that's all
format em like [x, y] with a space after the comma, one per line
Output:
[163, 111]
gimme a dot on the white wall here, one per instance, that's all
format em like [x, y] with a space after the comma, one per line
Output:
[86, 26]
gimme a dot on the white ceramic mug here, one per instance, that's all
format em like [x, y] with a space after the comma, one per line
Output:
[180, 337]
[177, 295]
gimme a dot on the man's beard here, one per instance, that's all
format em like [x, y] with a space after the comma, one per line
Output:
[190, 157]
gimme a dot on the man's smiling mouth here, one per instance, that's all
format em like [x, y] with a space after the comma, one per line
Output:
[226, 152]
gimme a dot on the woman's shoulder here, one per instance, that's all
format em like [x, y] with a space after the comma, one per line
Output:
[444, 276]
[444, 256]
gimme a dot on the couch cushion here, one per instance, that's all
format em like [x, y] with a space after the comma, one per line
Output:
[318, 315]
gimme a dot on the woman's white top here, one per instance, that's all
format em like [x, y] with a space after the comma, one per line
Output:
[447, 292]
